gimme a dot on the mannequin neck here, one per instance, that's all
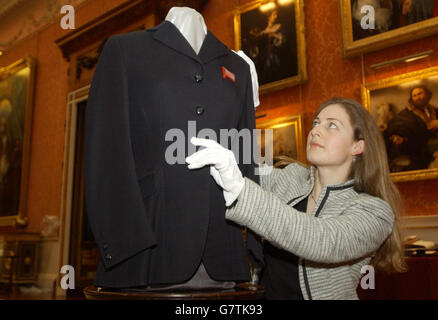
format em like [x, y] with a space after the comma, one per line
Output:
[191, 25]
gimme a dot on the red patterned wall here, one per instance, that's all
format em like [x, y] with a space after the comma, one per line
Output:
[332, 75]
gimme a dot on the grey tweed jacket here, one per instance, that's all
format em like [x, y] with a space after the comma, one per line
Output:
[333, 243]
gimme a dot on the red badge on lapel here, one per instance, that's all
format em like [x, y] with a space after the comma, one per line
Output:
[228, 74]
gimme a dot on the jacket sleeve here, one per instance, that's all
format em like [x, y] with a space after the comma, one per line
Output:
[112, 194]
[247, 121]
[358, 232]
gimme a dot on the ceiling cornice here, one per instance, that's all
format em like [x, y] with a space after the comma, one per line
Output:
[8, 5]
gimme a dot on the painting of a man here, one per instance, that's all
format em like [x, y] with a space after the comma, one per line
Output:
[418, 10]
[410, 132]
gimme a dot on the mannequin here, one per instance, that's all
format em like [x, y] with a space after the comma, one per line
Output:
[191, 25]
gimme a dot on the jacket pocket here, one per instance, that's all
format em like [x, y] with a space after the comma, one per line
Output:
[147, 184]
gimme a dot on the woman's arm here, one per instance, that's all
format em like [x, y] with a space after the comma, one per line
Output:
[269, 180]
[358, 232]
[267, 177]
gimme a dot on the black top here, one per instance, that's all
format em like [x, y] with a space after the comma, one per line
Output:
[280, 277]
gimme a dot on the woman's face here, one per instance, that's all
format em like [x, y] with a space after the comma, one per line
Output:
[330, 143]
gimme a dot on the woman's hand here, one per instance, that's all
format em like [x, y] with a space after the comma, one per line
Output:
[223, 167]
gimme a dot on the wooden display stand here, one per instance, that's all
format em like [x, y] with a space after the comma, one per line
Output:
[242, 291]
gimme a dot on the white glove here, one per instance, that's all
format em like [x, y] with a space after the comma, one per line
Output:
[223, 167]
[254, 77]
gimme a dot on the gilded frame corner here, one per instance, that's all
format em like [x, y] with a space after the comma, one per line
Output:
[297, 122]
[366, 89]
[386, 39]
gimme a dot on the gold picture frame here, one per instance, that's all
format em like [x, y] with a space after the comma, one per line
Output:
[385, 99]
[288, 138]
[16, 99]
[356, 42]
[266, 31]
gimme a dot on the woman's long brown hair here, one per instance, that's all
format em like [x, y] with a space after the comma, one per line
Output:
[370, 172]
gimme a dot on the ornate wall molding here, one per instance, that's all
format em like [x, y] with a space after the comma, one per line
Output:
[19, 19]
[118, 18]
[8, 5]
[102, 27]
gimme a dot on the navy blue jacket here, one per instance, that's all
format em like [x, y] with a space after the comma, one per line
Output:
[154, 222]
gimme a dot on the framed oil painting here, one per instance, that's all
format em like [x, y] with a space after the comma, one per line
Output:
[405, 108]
[272, 34]
[395, 22]
[16, 91]
[286, 141]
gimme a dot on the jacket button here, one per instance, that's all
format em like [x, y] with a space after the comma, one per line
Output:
[199, 111]
[198, 77]
[105, 246]
[108, 256]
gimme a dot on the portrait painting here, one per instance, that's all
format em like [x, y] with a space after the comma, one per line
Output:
[389, 23]
[271, 33]
[285, 140]
[406, 110]
[16, 86]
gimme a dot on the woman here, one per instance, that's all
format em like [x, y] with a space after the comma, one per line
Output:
[336, 217]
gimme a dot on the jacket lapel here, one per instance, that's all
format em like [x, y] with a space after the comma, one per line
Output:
[212, 48]
[167, 33]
